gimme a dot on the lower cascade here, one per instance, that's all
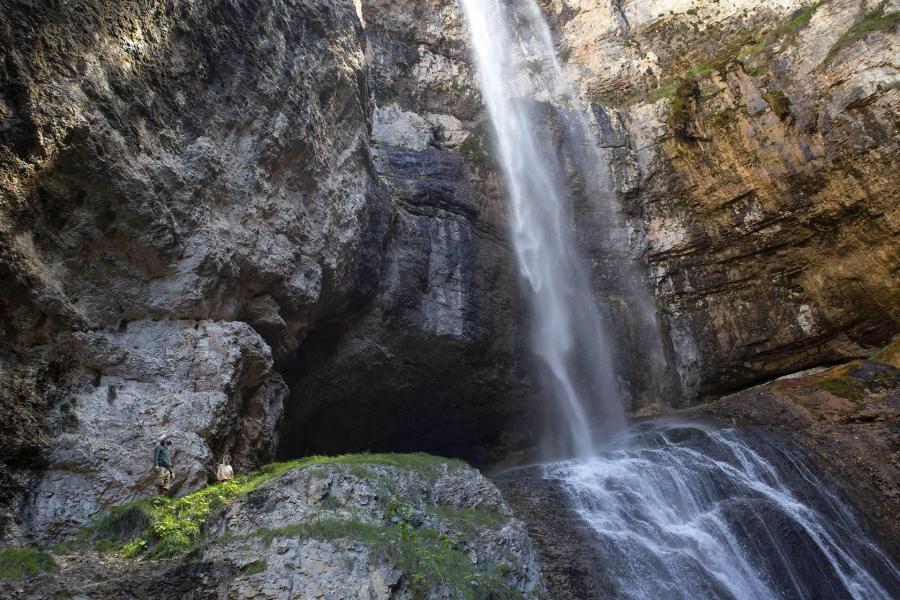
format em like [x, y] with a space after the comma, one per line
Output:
[450, 300]
[676, 510]
[685, 511]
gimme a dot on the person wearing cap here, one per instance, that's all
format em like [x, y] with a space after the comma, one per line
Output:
[224, 471]
[162, 463]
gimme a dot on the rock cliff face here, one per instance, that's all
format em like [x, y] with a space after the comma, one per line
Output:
[333, 530]
[753, 150]
[763, 137]
[187, 188]
[277, 227]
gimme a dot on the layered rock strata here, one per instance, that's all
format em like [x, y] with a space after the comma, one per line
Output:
[187, 188]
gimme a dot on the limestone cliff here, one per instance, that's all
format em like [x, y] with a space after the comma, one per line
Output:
[763, 141]
[238, 221]
[187, 188]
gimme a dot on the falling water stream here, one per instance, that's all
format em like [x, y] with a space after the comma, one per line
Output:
[678, 510]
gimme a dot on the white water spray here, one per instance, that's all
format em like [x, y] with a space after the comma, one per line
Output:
[678, 512]
[568, 335]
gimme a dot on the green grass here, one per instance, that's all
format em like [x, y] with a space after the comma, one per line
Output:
[429, 559]
[875, 19]
[470, 519]
[257, 566]
[787, 30]
[162, 526]
[844, 388]
[16, 563]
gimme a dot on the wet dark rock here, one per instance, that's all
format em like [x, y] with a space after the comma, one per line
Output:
[438, 361]
[571, 561]
[846, 421]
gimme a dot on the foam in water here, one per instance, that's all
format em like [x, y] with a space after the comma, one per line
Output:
[678, 511]
[684, 511]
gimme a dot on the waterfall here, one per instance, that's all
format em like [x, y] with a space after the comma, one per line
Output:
[568, 334]
[683, 511]
[679, 511]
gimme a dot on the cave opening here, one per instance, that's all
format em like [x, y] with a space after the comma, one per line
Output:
[348, 394]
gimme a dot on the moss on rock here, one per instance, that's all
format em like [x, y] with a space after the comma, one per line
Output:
[16, 563]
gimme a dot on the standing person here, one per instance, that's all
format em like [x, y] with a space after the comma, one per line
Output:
[162, 463]
[224, 472]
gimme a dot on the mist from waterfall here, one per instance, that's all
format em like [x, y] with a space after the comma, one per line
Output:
[678, 511]
[567, 335]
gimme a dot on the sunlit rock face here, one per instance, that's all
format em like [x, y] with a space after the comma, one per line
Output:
[187, 189]
[767, 185]
[208, 385]
[750, 149]
[351, 531]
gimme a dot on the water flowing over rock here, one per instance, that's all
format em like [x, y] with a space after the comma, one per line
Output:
[569, 336]
[677, 510]
[282, 228]
[688, 512]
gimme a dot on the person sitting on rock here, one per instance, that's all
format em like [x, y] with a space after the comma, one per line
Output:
[162, 464]
[224, 472]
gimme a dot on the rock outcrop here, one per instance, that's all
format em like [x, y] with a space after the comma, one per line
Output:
[171, 174]
[763, 140]
[335, 530]
[846, 419]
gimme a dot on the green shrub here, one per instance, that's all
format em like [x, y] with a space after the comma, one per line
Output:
[257, 566]
[16, 563]
[162, 526]
[875, 19]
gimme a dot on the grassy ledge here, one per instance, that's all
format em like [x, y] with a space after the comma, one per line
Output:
[162, 527]
[17, 563]
[873, 20]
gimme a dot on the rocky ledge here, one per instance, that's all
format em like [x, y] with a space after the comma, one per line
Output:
[847, 419]
[355, 526]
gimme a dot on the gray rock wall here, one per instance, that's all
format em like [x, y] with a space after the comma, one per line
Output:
[172, 172]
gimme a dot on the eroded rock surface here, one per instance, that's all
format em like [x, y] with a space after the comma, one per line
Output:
[208, 385]
[171, 173]
[358, 531]
[763, 139]
[847, 418]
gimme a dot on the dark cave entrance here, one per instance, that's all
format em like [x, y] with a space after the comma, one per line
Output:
[349, 394]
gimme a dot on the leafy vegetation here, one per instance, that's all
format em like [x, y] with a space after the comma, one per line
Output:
[875, 19]
[257, 566]
[161, 526]
[16, 563]
[787, 30]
